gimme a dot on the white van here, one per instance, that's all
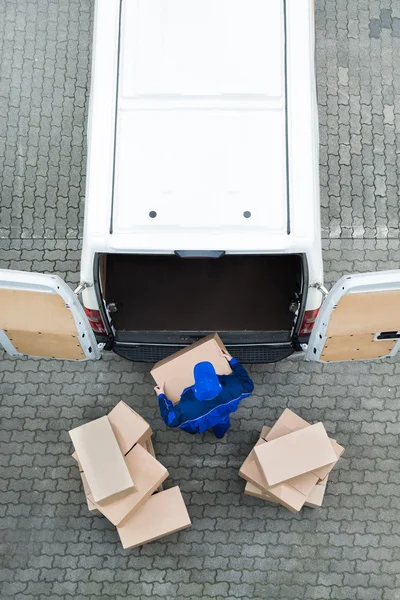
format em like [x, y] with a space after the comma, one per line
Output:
[202, 202]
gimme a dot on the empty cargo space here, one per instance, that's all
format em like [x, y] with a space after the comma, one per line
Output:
[231, 293]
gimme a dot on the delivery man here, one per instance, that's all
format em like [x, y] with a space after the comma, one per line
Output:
[208, 403]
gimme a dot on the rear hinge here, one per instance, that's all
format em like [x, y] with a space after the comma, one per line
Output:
[320, 288]
[82, 286]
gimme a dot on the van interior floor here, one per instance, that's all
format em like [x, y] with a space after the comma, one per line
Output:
[231, 293]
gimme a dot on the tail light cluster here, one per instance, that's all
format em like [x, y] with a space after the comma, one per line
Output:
[308, 321]
[95, 321]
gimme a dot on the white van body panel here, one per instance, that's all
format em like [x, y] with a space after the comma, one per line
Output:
[210, 106]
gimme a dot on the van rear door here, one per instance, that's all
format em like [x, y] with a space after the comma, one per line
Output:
[359, 319]
[41, 316]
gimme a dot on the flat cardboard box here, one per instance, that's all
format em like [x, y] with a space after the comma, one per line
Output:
[91, 507]
[289, 422]
[317, 494]
[295, 454]
[147, 473]
[128, 426]
[101, 459]
[176, 371]
[253, 490]
[163, 514]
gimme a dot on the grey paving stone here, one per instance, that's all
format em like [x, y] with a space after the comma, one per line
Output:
[238, 547]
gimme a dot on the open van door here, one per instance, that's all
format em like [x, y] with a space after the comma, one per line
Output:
[359, 319]
[41, 316]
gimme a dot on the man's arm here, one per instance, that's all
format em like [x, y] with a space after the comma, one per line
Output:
[166, 406]
[240, 372]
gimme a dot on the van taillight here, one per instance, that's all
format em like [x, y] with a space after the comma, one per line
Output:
[95, 321]
[308, 321]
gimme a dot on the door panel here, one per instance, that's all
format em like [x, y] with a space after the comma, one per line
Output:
[358, 311]
[41, 316]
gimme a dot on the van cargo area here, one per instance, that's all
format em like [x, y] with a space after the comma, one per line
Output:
[233, 293]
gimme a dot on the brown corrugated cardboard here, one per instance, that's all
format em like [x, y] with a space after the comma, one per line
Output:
[264, 432]
[92, 508]
[176, 371]
[163, 514]
[250, 470]
[128, 426]
[289, 422]
[323, 472]
[295, 454]
[316, 496]
[101, 459]
[288, 496]
[147, 473]
[148, 445]
[253, 490]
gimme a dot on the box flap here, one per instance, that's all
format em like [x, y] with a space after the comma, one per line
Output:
[253, 490]
[316, 496]
[265, 431]
[147, 473]
[287, 422]
[294, 454]
[176, 371]
[101, 459]
[164, 513]
[323, 472]
[128, 426]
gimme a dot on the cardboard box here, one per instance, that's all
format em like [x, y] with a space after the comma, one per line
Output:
[128, 426]
[147, 473]
[289, 422]
[317, 494]
[295, 454]
[101, 459]
[163, 514]
[92, 508]
[148, 445]
[176, 371]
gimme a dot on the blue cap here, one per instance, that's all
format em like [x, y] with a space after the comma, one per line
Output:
[206, 382]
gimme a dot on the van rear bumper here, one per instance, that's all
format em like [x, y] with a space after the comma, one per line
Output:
[249, 353]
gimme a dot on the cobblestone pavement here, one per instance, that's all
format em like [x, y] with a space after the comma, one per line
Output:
[237, 547]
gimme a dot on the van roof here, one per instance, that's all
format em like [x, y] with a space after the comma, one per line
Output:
[200, 138]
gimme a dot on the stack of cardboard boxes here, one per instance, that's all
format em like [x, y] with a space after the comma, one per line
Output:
[290, 463]
[120, 475]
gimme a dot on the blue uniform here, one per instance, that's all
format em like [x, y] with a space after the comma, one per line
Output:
[196, 416]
